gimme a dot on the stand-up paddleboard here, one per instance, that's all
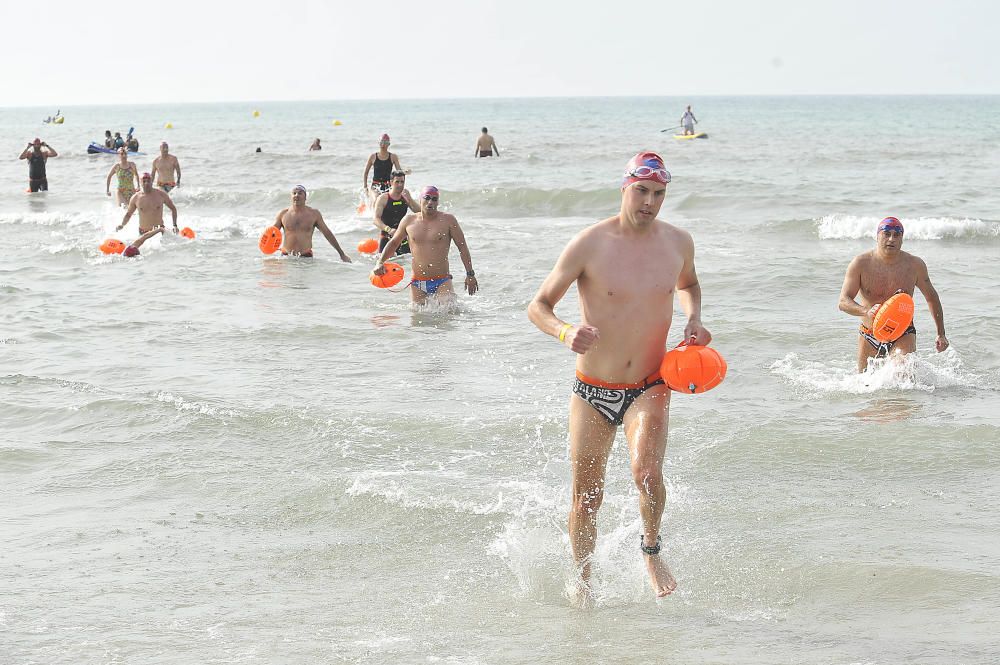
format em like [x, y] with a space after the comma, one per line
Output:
[699, 135]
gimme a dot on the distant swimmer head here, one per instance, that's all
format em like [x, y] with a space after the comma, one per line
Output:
[384, 140]
[131, 251]
[644, 167]
[891, 225]
[430, 193]
[164, 148]
[37, 141]
[485, 131]
[147, 176]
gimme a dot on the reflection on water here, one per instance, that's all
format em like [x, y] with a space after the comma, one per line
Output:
[888, 410]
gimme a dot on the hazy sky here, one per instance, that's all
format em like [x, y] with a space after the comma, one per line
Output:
[59, 53]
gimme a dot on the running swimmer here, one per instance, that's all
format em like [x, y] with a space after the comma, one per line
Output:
[431, 234]
[878, 274]
[390, 209]
[383, 162]
[166, 169]
[128, 179]
[299, 221]
[149, 202]
[627, 269]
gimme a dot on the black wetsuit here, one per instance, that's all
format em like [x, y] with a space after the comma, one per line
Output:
[37, 180]
[392, 215]
[381, 173]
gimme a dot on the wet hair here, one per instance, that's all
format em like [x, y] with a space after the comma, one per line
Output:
[484, 130]
[398, 174]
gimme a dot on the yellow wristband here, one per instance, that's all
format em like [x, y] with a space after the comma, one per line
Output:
[565, 329]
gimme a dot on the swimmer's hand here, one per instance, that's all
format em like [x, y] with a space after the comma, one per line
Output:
[697, 334]
[346, 259]
[941, 343]
[471, 284]
[379, 269]
[582, 338]
[868, 318]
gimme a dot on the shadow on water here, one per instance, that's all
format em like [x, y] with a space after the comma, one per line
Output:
[888, 410]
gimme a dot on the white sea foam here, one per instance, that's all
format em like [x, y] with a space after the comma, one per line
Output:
[839, 227]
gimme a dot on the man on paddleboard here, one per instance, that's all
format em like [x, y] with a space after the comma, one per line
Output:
[878, 274]
[627, 269]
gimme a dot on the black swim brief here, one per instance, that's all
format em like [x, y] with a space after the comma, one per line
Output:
[612, 400]
[883, 348]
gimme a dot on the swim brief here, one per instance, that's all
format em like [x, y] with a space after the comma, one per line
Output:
[882, 348]
[612, 400]
[485, 153]
[431, 285]
[381, 185]
[308, 254]
[166, 186]
[38, 185]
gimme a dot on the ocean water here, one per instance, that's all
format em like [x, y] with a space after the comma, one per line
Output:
[208, 455]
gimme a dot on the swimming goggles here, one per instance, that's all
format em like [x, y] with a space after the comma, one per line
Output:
[647, 172]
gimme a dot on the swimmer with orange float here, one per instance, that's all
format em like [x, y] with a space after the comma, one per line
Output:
[149, 202]
[627, 269]
[299, 221]
[877, 275]
[431, 233]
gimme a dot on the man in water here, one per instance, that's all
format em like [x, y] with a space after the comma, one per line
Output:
[119, 141]
[627, 269]
[430, 233]
[299, 221]
[315, 146]
[688, 120]
[37, 153]
[383, 161]
[877, 275]
[108, 141]
[485, 145]
[149, 202]
[166, 169]
[391, 208]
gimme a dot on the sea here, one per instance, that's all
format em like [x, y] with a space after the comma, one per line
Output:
[209, 455]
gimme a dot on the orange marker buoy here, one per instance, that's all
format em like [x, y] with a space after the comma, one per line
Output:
[112, 246]
[361, 208]
[690, 368]
[892, 318]
[368, 246]
[393, 276]
[270, 240]
[188, 232]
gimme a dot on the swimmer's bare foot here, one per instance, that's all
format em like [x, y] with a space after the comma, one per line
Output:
[659, 573]
[580, 595]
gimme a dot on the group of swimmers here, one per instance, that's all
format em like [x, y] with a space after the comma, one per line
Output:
[129, 142]
[627, 268]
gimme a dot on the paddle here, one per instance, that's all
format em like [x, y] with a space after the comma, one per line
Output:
[669, 128]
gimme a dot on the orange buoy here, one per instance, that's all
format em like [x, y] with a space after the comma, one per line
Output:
[361, 208]
[112, 246]
[270, 240]
[393, 276]
[368, 246]
[690, 368]
[188, 232]
[892, 318]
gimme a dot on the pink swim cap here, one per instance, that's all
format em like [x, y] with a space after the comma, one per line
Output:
[384, 139]
[131, 251]
[645, 166]
[429, 190]
[890, 224]
[146, 176]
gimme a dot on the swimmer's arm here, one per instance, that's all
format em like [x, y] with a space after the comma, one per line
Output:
[146, 236]
[24, 154]
[135, 176]
[152, 170]
[379, 209]
[368, 167]
[931, 296]
[277, 220]
[173, 209]
[689, 295]
[107, 185]
[852, 284]
[411, 204]
[458, 237]
[541, 310]
[177, 168]
[128, 213]
[394, 242]
[496, 149]
[52, 151]
[330, 238]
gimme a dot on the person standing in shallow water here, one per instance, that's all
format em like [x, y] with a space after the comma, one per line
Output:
[299, 221]
[627, 269]
[879, 274]
[383, 162]
[486, 146]
[37, 153]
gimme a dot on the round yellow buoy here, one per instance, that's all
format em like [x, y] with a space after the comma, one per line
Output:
[169, 125]
[337, 123]
[256, 114]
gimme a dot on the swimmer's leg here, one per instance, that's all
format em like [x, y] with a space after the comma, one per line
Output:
[646, 424]
[417, 296]
[865, 353]
[590, 440]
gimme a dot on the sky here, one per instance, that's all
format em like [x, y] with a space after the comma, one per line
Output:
[62, 53]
